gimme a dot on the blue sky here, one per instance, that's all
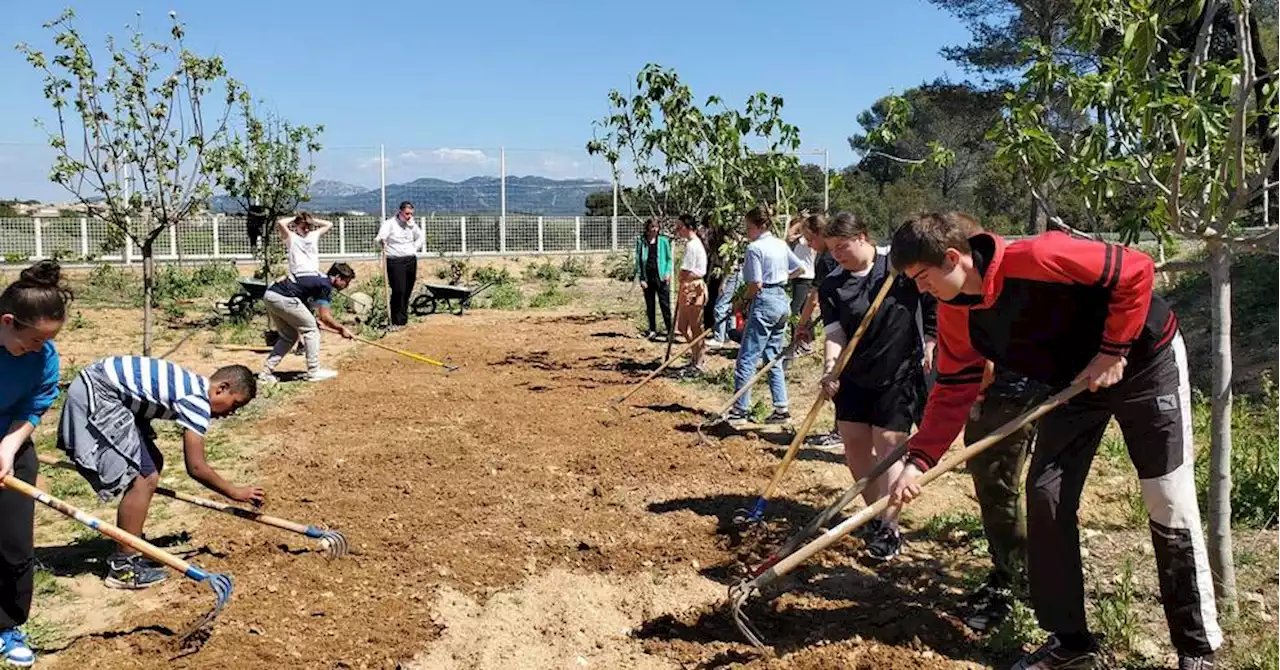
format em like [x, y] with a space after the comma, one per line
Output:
[445, 84]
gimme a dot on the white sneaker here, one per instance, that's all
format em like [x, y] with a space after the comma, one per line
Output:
[715, 344]
[265, 377]
[321, 374]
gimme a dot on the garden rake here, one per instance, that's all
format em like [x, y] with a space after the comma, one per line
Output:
[402, 352]
[667, 363]
[743, 517]
[782, 563]
[197, 633]
[332, 542]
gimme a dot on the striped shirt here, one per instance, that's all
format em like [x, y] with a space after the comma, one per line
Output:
[153, 388]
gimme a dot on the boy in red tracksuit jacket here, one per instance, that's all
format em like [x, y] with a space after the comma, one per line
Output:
[1056, 309]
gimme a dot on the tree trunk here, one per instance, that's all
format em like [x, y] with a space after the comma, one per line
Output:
[1221, 558]
[1039, 219]
[148, 294]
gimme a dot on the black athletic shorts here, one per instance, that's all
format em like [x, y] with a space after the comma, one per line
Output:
[894, 407]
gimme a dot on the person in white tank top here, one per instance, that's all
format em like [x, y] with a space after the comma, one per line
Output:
[301, 237]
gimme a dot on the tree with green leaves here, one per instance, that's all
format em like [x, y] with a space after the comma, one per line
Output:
[268, 164]
[134, 142]
[704, 159]
[1177, 131]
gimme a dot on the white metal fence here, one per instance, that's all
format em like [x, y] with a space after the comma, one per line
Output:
[222, 237]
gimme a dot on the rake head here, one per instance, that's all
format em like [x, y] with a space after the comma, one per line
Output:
[199, 631]
[739, 593]
[334, 544]
[743, 517]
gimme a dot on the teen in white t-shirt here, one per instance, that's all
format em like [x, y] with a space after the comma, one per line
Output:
[301, 237]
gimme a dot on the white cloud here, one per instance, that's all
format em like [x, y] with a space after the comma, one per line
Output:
[470, 156]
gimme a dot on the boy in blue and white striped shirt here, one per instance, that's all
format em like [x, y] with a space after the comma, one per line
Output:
[106, 430]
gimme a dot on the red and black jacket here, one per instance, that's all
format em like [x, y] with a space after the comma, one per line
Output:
[1049, 304]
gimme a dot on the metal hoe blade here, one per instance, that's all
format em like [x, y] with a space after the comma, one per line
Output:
[199, 631]
[334, 543]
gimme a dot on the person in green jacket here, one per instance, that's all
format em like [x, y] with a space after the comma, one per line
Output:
[653, 269]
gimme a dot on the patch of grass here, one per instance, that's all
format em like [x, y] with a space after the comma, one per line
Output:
[550, 296]
[238, 331]
[620, 266]
[46, 584]
[78, 322]
[505, 296]
[576, 266]
[68, 485]
[1114, 616]
[1018, 631]
[43, 634]
[1254, 649]
[543, 271]
[1255, 457]
[953, 527]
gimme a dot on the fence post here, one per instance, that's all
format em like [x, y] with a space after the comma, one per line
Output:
[128, 250]
[217, 243]
[342, 235]
[577, 233]
[614, 232]
[502, 234]
[173, 240]
[462, 231]
[35, 223]
[84, 238]
[540, 247]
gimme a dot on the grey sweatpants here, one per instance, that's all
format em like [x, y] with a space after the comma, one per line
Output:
[293, 321]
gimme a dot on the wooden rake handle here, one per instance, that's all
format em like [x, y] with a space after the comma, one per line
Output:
[961, 457]
[809, 419]
[132, 541]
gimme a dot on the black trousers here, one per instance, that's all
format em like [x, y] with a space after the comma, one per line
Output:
[799, 294]
[713, 293]
[1152, 404]
[402, 272]
[17, 542]
[661, 291]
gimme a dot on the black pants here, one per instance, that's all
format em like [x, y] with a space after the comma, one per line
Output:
[1152, 404]
[660, 290]
[799, 294]
[17, 543]
[402, 272]
[713, 293]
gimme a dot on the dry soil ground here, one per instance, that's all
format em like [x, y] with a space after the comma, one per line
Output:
[504, 516]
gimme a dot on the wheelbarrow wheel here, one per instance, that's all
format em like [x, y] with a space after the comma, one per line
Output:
[240, 306]
[423, 305]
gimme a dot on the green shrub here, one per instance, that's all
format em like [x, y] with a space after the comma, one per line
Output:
[454, 272]
[543, 271]
[1114, 614]
[551, 295]
[505, 296]
[487, 274]
[576, 266]
[620, 266]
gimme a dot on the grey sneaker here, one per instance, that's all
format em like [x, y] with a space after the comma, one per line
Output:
[321, 374]
[1196, 662]
[737, 417]
[133, 572]
[266, 377]
[1052, 656]
[780, 417]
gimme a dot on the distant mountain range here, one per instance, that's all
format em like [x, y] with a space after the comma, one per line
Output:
[529, 195]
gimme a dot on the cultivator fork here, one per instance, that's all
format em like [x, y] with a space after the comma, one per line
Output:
[792, 553]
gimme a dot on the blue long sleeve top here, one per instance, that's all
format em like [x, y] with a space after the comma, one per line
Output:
[28, 385]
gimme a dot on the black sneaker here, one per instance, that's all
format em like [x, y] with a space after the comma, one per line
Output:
[988, 606]
[885, 544]
[737, 417]
[133, 572]
[868, 530]
[1196, 662]
[1052, 656]
[780, 417]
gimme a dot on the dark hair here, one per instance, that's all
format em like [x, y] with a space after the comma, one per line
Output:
[341, 270]
[816, 223]
[926, 238]
[241, 380]
[688, 221]
[404, 204]
[761, 216]
[38, 294]
[652, 221]
[845, 224]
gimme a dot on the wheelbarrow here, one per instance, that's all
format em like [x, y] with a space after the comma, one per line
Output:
[444, 296]
[241, 305]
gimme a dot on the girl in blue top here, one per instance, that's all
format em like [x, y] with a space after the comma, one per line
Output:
[32, 311]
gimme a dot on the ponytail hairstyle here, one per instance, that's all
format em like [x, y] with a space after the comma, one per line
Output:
[761, 217]
[815, 224]
[38, 295]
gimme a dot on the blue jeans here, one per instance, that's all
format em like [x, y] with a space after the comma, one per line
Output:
[766, 326]
[724, 305]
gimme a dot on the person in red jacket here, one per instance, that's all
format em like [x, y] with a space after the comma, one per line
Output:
[1059, 309]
